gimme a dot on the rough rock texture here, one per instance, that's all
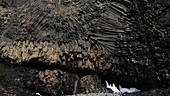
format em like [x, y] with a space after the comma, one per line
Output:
[19, 80]
[122, 41]
[146, 45]
[65, 56]
[58, 82]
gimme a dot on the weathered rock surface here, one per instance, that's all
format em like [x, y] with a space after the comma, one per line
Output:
[73, 46]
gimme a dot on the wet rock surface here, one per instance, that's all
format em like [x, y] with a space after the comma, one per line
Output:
[55, 47]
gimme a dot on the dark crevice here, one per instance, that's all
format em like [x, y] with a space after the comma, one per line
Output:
[42, 66]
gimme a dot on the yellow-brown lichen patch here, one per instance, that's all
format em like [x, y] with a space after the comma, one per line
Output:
[91, 84]
[25, 51]
[66, 11]
[20, 51]
[48, 77]
[5, 13]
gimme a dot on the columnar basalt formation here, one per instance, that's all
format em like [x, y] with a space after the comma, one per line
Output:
[67, 34]
[79, 33]
[25, 51]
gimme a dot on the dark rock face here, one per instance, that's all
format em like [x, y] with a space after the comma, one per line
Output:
[12, 3]
[81, 43]
[16, 80]
[146, 46]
